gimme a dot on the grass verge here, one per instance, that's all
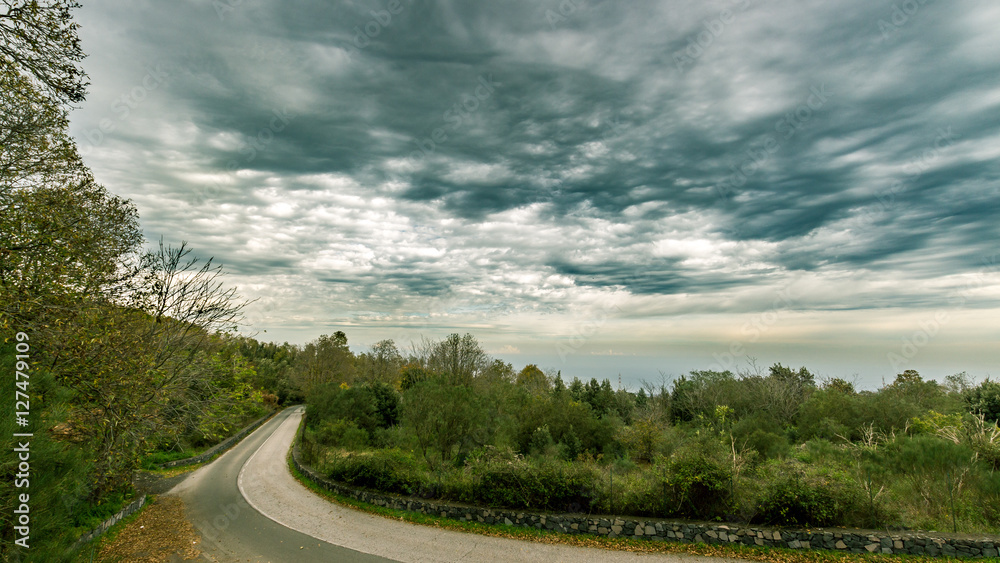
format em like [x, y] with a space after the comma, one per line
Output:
[771, 554]
[89, 550]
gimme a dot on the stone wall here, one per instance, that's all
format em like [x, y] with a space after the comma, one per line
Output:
[848, 541]
[132, 508]
[220, 447]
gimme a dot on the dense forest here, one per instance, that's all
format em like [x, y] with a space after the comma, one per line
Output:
[771, 446]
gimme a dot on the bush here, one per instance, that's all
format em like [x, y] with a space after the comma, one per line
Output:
[763, 434]
[985, 399]
[795, 494]
[341, 434]
[392, 471]
[508, 480]
[698, 481]
[332, 402]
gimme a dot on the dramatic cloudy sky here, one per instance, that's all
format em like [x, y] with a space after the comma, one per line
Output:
[598, 187]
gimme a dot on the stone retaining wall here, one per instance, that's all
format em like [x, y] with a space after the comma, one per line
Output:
[129, 510]
[848, 541]
[220, 447]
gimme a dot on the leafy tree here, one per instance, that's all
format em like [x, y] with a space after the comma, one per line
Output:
[533, 379]
[985, 399]
[324, 360]
[440, 415]
[802, 378]
[410, 375]
[840, 385]
[40, 41]
[576, 390]
[382, 363]
[460, 357]
[386, 404]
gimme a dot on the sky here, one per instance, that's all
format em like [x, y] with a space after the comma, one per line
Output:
[601, 188]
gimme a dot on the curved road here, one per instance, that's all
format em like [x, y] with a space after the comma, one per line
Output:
[248, 507]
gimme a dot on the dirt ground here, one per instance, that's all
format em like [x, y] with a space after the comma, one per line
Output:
[160, 534]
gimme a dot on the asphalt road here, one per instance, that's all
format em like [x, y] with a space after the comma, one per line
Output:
[232, 530]
[248, 507]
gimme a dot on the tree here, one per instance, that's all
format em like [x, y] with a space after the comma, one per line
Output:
[40, 41]
[533, 380]
[134, 368]
[410, 375]
[325, 360]
[382, 362]
[985, 400]
[840, 385]
[460, 357]
[441, 415]
[801, 378]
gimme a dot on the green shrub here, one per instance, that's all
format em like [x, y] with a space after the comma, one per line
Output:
[341, 434]
[332, 402]
[985, 399]
[796, 494]
[392, 471]
[763, 434]
[541, 441]
[698, 481]
[508, 480]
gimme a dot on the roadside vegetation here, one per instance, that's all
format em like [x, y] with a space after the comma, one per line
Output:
[770, 446]
[122, 354]
[737, 551]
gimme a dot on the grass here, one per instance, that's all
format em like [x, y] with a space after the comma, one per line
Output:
[771, 554]
[86, 555]
[94, 516]
[175, 471]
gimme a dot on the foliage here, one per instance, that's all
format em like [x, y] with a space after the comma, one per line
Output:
[441, 415]
[798, 494]
[511, 481]
[323, 361]
[699, 481]
[985, 399]
[385, 470]
[755, 448]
